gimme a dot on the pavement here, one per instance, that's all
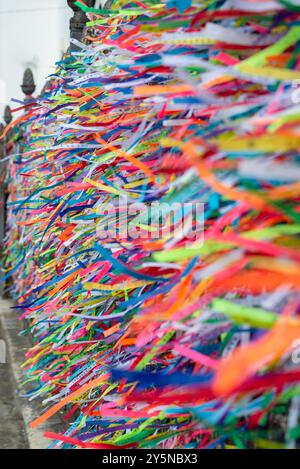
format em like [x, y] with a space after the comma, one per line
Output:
[16, 411]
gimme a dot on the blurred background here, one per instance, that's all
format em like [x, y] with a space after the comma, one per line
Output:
[33, 33]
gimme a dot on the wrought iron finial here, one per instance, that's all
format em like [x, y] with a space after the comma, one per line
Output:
[28, 85]
[2, 127]
[7, 115]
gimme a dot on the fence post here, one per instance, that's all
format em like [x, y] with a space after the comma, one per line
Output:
[78, 21]
[2, 190]
[28, 85]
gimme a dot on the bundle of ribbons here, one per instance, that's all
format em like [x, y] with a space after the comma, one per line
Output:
[174, 330]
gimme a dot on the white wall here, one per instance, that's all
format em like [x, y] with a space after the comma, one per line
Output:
[32, 33]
